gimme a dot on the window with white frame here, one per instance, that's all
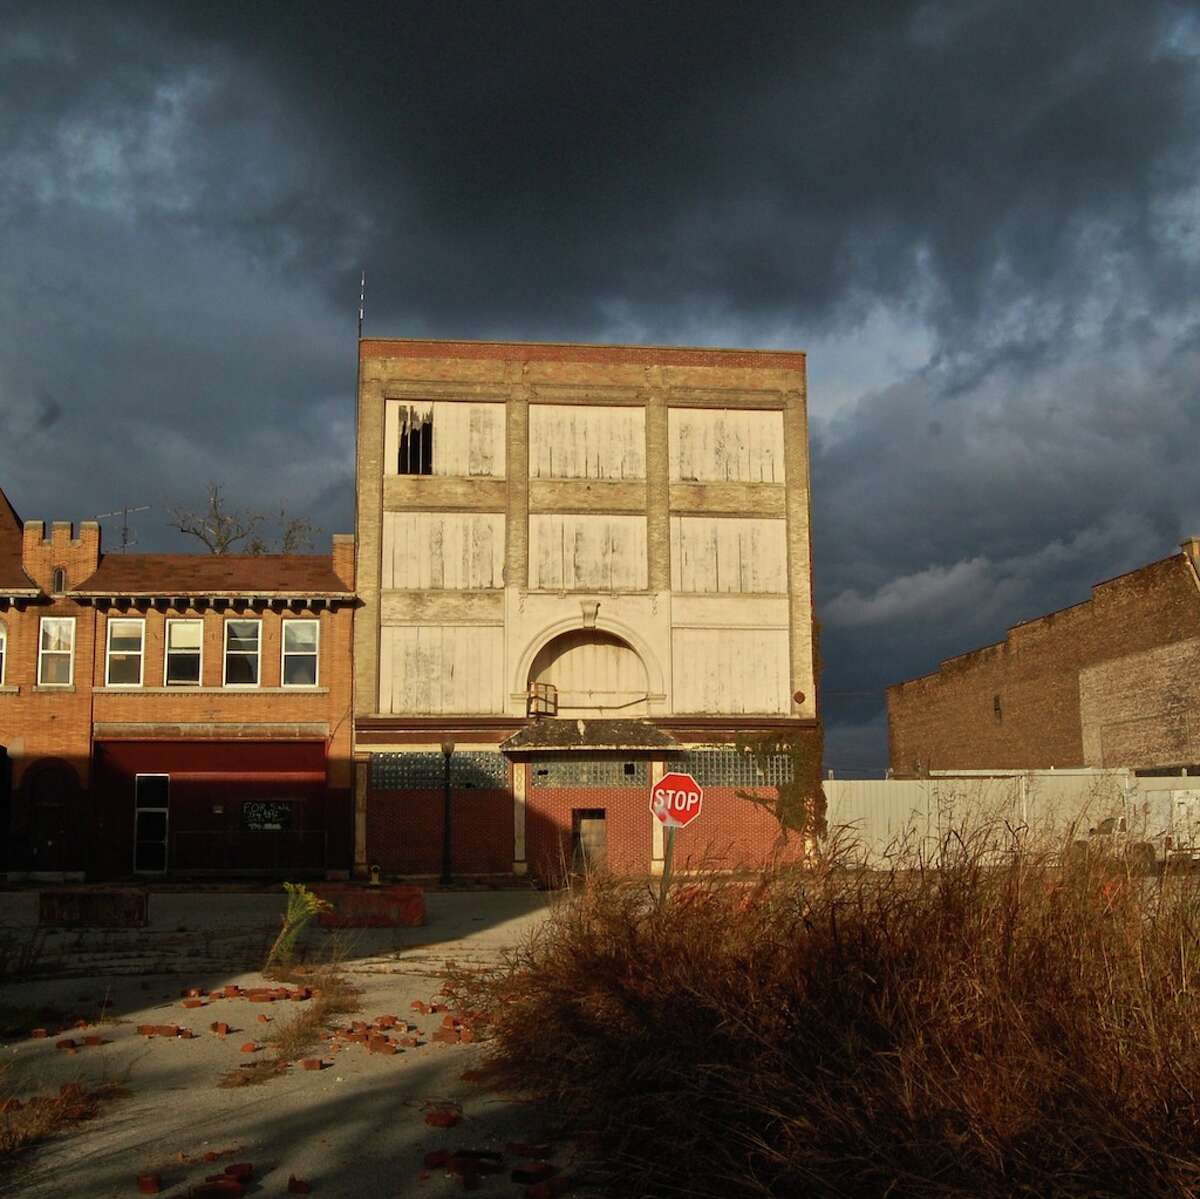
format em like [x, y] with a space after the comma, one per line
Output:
[3, 650]
[126, 642]
[184, 650]
[56, 651]
[301, 640]
[243, 652]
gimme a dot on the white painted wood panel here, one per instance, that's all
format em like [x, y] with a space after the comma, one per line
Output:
[442, 551]
[596, 674]
[468, 439]
[576, 441]
[711, 555]
[730, 670]
[726, 445]
[584, 552]
[435, 669]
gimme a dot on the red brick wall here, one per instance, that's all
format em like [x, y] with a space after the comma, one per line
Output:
[733, 832]
[548, 824]
[404, 831]
[948, 720]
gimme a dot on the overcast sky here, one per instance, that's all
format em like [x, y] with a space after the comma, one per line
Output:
[980, 218]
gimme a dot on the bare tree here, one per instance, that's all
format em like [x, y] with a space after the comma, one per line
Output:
[225, 530]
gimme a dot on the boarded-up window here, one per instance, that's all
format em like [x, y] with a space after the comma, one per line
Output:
[587, 553]
[730, 670]
[443, 551]
[444, 438]
[725, 444]
[433, 669]
[578, 441]
[595, 673]
[713, 555]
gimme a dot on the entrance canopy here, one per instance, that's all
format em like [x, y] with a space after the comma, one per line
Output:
[550, 735]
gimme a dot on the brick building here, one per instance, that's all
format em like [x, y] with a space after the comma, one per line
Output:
[172, 713]
[1113, 681]
[577, 564]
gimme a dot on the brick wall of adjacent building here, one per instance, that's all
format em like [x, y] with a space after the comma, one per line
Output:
[404, 831]
[1016, 704]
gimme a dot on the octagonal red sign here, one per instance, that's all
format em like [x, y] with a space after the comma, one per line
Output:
[676, 799]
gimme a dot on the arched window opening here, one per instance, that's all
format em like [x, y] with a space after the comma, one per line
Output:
[596, 674]
[58, 582]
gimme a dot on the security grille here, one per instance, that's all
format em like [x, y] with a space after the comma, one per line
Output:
[733, 768]
[421, 771]
[588, 772]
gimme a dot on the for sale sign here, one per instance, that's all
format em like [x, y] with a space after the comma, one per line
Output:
[676, 799]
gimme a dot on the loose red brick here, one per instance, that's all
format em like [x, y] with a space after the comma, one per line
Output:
[220, 1028]
[193, 1003]
[65, 1043]
[249, 1047]
[149, 1184]
[387, 1021]
[549, 1189]
[298, 1186]
[263, 1019]
[442, 1118]
[93, 1039]
[436, 1158]
[39, 1033]
[313, 1063]
[80, 1024]
[528, 1173]
[240, 1170]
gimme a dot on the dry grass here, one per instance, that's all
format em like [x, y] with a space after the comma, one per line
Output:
[975, 1030]
[297, 1035]
[43, 1116]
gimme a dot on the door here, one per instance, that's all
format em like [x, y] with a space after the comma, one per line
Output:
[589, 840]
[53, 791]
[151, 810]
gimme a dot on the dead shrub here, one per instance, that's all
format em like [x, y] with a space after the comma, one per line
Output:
[978, 1029]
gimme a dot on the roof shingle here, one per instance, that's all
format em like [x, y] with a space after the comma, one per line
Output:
[214, 574]
[13, 579]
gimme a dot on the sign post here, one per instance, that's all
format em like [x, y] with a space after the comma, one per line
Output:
[675, 800]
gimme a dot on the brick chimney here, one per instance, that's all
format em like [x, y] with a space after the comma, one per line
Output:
[343, 558]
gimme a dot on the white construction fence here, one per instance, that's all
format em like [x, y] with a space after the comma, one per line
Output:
[884, 820]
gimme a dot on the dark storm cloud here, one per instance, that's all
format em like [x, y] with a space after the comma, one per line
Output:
[188, 192]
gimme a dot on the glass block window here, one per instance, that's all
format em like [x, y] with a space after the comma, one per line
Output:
[588, 772]
[733, 768]
[423, 771]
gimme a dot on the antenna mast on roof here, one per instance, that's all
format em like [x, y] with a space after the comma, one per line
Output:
[123, 513]
[362, 301]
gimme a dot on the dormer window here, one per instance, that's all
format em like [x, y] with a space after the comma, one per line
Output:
[58, 581]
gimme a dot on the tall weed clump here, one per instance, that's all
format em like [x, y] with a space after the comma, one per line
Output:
[302, 907]
[1028, 1026]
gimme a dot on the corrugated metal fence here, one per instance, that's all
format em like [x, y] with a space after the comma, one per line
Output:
[885, 820]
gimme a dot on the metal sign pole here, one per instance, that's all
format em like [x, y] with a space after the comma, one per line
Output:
[668, 852]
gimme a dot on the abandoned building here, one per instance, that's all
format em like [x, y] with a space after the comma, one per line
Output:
[578, 566]
[171, 713]
[1110, 682]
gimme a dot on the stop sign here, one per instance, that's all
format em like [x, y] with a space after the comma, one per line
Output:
[675, 799]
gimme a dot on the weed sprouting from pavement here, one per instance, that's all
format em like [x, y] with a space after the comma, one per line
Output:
[1025, 1025]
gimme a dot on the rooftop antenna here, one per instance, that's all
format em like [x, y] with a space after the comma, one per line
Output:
[362, 301]
[123, 513]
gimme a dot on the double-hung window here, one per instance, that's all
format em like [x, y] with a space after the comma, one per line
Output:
[56, 651]
[243, 653]
[301, 639]
[185, 639]
[126, 644]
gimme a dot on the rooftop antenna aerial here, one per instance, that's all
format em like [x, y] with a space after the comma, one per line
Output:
[123, 513]
[362, 301]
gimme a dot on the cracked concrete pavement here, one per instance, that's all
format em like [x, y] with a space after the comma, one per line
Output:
[354, 1129]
